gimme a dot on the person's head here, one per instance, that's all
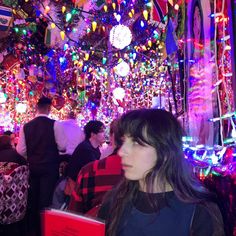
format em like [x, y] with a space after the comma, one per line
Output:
[44, 105]
[152, 147]
[12, 136]
[95, 131]
[71, 115]
[7, 132]
[114, 134]
[5, 142]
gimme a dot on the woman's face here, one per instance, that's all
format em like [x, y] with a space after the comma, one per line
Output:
[137, 160]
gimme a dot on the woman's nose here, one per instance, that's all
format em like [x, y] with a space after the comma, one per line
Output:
[123, 151]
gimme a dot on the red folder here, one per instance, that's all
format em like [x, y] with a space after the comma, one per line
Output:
[57, 222]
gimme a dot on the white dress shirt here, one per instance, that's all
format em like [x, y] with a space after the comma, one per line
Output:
[74, 135]
[59, 138]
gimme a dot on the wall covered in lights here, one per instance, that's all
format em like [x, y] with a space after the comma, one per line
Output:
[209, 71]
[101, 58]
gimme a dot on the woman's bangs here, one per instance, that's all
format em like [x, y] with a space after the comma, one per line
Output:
[135, 129]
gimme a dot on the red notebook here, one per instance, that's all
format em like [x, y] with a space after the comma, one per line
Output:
[57, 223]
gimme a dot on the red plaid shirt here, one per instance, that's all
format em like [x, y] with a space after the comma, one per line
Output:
[93, 181]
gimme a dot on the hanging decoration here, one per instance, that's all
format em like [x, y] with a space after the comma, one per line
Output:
[5, 21]
[61, 50]
[118, 93]
[122, 69]
[159, 10]
[208, 160]
[21, 107]
[120, 36]
[3, 97]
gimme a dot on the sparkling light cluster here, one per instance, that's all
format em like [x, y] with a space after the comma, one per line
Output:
[120, 36]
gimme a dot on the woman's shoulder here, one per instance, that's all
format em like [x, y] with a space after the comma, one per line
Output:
[207, 220]
[208, 208]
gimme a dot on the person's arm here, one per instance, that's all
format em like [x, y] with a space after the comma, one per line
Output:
[60, 137]
[21, 145]
[79, 159]
[77, 201]
[21, 160]
[207, 221]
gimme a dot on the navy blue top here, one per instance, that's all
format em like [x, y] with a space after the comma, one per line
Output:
[174, 218]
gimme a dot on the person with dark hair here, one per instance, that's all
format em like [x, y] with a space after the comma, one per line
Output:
[8, 153]
[85, 152]
[40, 141]
[160, 194]
[96, 178]
[12, 136]
[7, 132]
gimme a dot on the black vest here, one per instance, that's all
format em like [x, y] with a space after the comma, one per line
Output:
[40, 141]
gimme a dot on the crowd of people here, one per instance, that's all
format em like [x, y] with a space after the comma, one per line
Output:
[140, 185]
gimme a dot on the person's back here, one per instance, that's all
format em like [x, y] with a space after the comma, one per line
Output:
[94, 180]
[73, 133]
[40, 141]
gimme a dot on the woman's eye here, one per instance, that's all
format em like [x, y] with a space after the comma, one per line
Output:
[135, 142]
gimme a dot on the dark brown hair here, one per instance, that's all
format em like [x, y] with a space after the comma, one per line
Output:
[161, 130]
[5, 142]
[93, 126]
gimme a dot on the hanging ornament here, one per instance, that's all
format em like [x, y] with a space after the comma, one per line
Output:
[105, 8]
[58, 102]
[33, 70]
[158, 102]
[6, 20]
[94, 25]
[21, 107]
[120, 36]
[86, 56]
[62, 33]
[3, 97]
[63, 9]
[118, 93]
[9, 61]
[53, 25]
[47, 9]
[20, 74]
[122, 69]
[32, 78]
[145, 14]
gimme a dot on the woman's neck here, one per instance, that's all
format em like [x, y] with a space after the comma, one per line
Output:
[157, 188]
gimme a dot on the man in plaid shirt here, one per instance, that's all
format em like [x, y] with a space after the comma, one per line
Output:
[94, 180]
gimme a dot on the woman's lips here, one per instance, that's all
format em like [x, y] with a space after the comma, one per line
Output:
[126, 166]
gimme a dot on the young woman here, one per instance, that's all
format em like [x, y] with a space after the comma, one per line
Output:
[159, 195]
